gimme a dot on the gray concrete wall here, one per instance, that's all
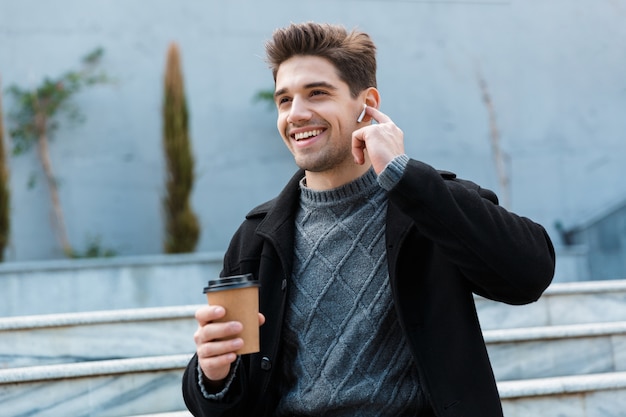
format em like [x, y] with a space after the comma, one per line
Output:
[554, 71]
[604, 236]
[67, 286]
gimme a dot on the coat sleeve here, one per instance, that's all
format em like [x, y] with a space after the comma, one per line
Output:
[199, 405]
[505, 257]
[235, 402]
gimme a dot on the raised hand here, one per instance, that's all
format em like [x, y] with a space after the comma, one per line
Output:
[383, 140]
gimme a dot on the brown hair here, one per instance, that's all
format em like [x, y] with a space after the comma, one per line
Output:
[353, 54]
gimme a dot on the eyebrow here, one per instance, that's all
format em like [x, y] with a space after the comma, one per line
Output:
[308, 86]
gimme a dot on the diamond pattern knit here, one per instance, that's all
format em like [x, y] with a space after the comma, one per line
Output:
[344, 352]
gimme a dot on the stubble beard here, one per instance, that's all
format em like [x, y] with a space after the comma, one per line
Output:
[324, 160]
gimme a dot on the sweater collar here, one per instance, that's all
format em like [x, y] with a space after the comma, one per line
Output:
[360, 186]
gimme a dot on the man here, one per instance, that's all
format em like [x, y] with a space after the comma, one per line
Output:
[367, 261]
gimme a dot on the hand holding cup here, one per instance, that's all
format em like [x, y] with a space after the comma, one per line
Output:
[229, 325]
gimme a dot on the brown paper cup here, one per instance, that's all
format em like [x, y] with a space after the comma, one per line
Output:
[239, 295]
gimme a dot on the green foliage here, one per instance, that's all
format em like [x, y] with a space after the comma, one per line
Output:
[265, 96]
[182, 226]
[35, 117]
[5, 193]
[37, 109]
[93, 249]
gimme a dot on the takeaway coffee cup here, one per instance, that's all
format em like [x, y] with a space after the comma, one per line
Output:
[239, 295]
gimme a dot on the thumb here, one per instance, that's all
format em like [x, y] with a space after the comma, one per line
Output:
[358, 146]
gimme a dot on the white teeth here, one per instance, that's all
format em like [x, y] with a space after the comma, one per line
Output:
[304, 135]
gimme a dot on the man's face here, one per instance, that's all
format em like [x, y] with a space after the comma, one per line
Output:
[316, 113]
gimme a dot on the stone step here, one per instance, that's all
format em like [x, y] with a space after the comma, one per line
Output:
[597, 395]
[113, 388]
[561, 304]
[169, 280]
[125, 282]
[173, 414]
[150, 387]
[68, 338]
[99, 335]
[557, 350]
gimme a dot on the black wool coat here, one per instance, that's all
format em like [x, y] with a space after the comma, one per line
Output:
[446, 240]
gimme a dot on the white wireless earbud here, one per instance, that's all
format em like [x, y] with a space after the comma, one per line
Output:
[362, 115]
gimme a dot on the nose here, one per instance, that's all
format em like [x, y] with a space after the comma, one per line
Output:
[298, 111]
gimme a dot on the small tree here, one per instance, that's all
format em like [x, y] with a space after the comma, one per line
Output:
[182, 227]
[36, 119]
[5, 195]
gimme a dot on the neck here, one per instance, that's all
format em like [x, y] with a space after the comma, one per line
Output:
[330, 179]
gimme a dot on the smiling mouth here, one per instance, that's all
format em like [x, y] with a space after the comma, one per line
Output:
[308, 134]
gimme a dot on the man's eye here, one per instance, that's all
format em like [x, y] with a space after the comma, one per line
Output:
[282, 100]
[317, 92]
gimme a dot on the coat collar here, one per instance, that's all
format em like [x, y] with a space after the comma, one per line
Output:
[279, 216]
[278, 224]
[278, 212]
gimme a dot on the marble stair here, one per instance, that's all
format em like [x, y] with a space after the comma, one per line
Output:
[561, 304]
[110, 388]
[174, 414]
[564, 355]
[99, 335]
[104, 363]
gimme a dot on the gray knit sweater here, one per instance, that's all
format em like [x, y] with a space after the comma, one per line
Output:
[344, 352]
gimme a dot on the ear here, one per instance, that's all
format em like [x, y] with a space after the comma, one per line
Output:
[371, 97]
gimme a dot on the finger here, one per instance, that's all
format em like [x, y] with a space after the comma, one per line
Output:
[216, 368]
[217, 331]
[215, 358]
[220, 348]
[213, 363]
[377, 115]
[207, 314]
[261, 319]
[358, 145]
